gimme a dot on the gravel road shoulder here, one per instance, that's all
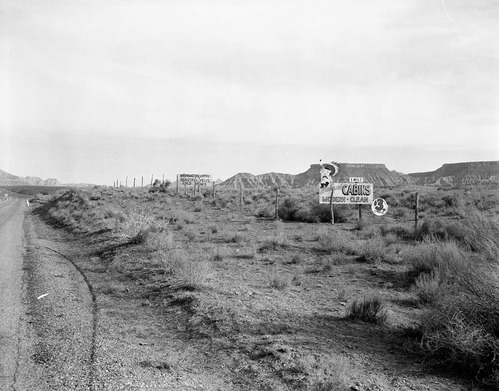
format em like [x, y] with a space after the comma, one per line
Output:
[56, 350]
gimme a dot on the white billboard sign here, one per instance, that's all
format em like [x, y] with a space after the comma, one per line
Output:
[195, 179]
[347, 193]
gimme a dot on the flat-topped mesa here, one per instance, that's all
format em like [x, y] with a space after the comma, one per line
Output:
[374, 173]
[458, 174]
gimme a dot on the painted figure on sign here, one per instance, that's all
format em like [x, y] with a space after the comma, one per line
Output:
[327, 171]
[378, 205]
[325, 177]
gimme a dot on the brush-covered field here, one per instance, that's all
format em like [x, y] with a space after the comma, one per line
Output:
[298, 303]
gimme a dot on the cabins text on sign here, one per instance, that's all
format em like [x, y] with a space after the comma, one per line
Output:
[347, 193]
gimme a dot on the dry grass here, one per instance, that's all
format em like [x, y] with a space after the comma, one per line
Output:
[256, 285]
[369, 309]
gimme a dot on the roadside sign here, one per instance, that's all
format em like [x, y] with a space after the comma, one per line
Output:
[195, 179]
[347, 193]
[355, 179]
[379, 207]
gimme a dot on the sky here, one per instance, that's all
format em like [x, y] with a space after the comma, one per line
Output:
[97, 90]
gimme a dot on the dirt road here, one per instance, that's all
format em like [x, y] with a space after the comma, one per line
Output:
[11, 263]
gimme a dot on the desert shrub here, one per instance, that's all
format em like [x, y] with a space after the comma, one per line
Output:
[334, 241]
[291, 210]
[431, 200]
[195, 272]
[427, 286]
[461, 329]
[446, 259]
[279, 280]
[183, 216]
[218, 254]
[409, 201]
[141, 236]
[367, 310]
[161, 241]
[390, 199]
[475, 232]
[400, 231]
[288, 209]
[461, 325]
[450, 201]
[273, 243]
[391, 238]
[373, 250]
[190, 234]
[266, 212]
[398, 213]
[137, 226]
[192, 272]
[360, 224]
[235, 237]
[319, 214]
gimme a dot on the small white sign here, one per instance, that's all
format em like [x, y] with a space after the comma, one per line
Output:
[379, 207]
[356, 179]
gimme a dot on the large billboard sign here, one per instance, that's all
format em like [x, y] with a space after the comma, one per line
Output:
[347, 193]
[195, 179]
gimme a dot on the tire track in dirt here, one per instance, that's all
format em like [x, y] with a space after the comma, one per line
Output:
[94, 315]
[60, 325]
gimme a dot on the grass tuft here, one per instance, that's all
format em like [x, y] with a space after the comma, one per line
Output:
[367, 310]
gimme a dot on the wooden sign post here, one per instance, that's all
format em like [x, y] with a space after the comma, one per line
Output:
[331, 208]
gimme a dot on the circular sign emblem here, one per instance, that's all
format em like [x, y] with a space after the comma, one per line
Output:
[379, 206]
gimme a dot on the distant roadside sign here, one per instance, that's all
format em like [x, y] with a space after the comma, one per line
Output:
[195, 179]
[355, 179]
[347, 193]
[379, 207]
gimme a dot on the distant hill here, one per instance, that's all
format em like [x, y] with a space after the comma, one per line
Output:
[7, 179]
[458, 174]
[272, 179]
[377, 174]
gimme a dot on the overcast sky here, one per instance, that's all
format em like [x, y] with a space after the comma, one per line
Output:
[95, 90]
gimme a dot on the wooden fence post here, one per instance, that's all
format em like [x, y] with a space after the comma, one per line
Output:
[360, 212]
[416, 212]
[213, 190]
[241, 197]
[276, 216]
[134, 182]
[142, 183]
